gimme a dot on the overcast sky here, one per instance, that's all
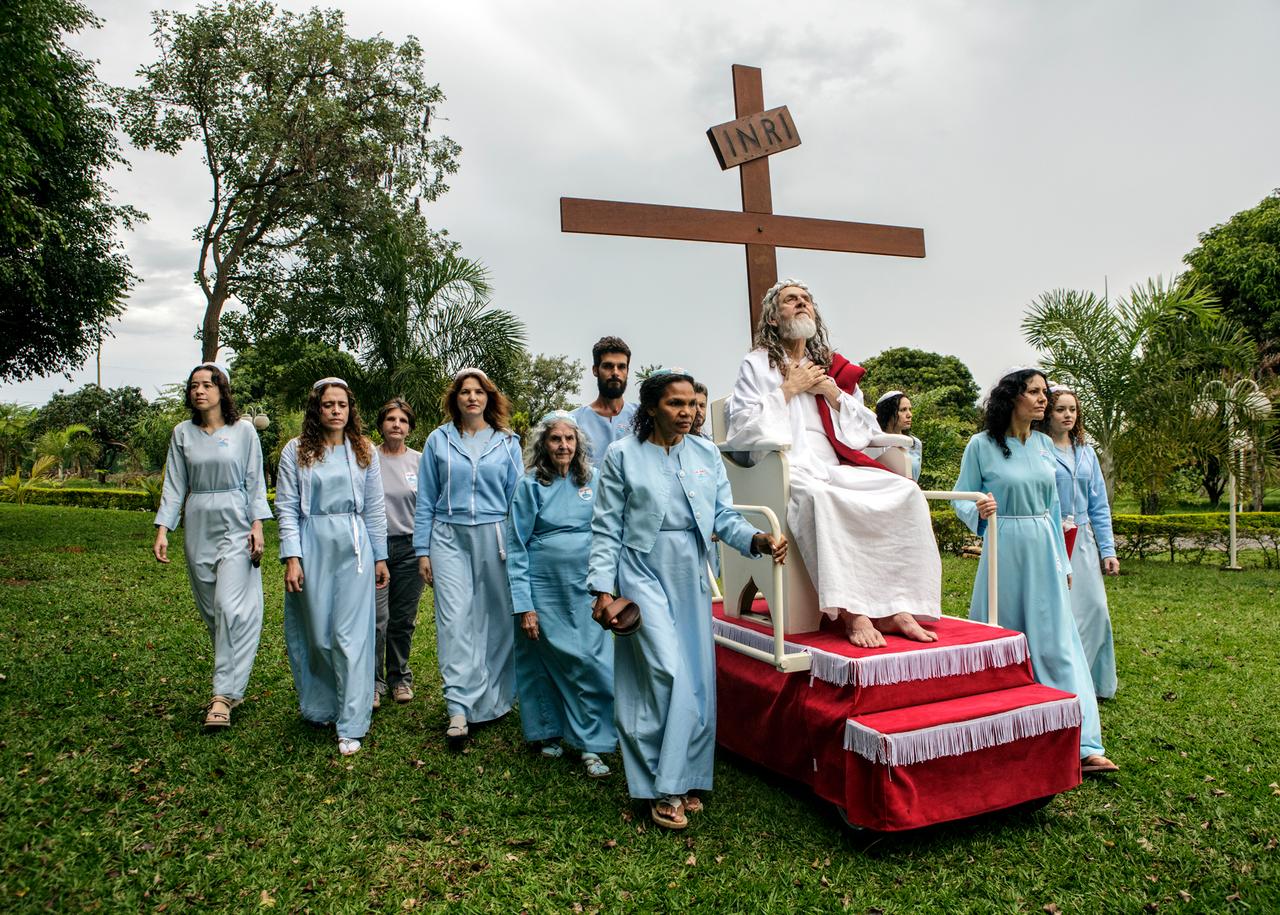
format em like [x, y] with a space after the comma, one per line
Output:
[1039, 145]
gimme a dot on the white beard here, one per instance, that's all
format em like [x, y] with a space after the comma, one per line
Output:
[801, 327]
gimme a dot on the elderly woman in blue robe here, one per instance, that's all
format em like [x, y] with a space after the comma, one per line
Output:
[662, 493]
[1014, 465]
[333, 542]
[466, 480]
[564, 661]
[1085, 509]
[213, 477]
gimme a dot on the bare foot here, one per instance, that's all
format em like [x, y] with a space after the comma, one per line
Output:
[861, 632]
[905, 625]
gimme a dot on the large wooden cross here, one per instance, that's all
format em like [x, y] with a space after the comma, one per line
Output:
[756, 226]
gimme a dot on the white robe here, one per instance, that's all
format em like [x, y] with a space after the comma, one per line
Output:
[864, 533]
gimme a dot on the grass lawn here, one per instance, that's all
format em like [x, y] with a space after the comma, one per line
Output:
[112, 798]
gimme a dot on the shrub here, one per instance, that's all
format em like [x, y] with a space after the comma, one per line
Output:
[1192, 536]
[127, 499]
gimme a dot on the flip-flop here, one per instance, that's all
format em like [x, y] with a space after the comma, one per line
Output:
[692, 803]
[668, 821]
[552, 750]
[1097, 764]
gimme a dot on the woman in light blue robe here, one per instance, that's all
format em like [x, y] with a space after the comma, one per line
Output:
[333, 542]
[215, 468]
[467, 477]
[564, 661]
[1083, 493]
[662, 493]
[1014, 465]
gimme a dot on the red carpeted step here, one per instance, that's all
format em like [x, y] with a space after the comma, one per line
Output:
[968, 658]
[953, 727]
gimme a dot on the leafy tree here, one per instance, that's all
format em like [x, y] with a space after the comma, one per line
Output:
[916, 372]
[304, 129]
[62, 272]
[411, 311]
[148, 441]
[109, 413]
[1239, 262]
[1137, 367]
[545, 383]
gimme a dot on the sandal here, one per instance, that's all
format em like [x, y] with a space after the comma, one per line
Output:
[692, 803]
[1097, 764]
[595, 765]
[674, 819]
[348, 746]
[218, 714]
[552, 750]
[457, 728]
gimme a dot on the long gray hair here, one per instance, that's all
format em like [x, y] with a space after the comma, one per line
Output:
[537, 457]
[769, 335]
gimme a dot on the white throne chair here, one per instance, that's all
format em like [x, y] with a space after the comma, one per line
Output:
[768, 483]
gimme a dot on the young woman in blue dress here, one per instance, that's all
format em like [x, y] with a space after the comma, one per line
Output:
[466, 479]
[1085, 509]
[1015, 466]
[213, 477]
[333, 542]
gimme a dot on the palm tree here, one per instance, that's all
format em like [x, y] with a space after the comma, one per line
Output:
[1136, 367]
[15, 434]
[420, 316]
[72, 446]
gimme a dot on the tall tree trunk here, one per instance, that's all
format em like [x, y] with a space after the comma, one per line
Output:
[210, 328]
[1212, 480]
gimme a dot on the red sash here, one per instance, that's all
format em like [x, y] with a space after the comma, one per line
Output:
[846, 376]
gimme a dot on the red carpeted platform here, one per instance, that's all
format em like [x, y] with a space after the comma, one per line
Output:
[904, 736]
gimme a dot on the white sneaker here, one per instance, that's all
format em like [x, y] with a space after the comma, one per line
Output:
[348, 746]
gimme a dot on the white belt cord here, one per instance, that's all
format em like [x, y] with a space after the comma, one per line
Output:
[502, 541]
[355, 540]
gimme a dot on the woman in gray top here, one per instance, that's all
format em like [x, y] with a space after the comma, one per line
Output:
[397, 604]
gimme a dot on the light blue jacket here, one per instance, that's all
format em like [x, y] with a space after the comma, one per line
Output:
[454, 488]
[293, 500]
[632, 498]
[1086, 500]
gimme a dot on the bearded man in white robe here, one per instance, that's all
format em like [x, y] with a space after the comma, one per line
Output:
[863, 531]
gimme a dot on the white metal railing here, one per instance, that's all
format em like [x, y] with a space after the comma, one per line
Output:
[787, 663]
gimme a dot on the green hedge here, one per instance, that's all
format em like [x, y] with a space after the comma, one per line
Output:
[950, 532]
[127, 499]
[1193, 536]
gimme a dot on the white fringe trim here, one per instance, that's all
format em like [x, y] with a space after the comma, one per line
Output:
[960, 737]
[894, 667]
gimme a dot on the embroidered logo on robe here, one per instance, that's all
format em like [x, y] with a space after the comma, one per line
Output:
[411, 479]
[224, 442]
[585, 494]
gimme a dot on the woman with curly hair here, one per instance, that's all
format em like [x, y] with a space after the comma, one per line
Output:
[215, 468]
[333, 542]
[1085, 510]
[662, 493]
[564, 662]
[467, 476]
[1015, 466]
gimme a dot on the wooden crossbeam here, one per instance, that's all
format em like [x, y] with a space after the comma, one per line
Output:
[647, 220]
